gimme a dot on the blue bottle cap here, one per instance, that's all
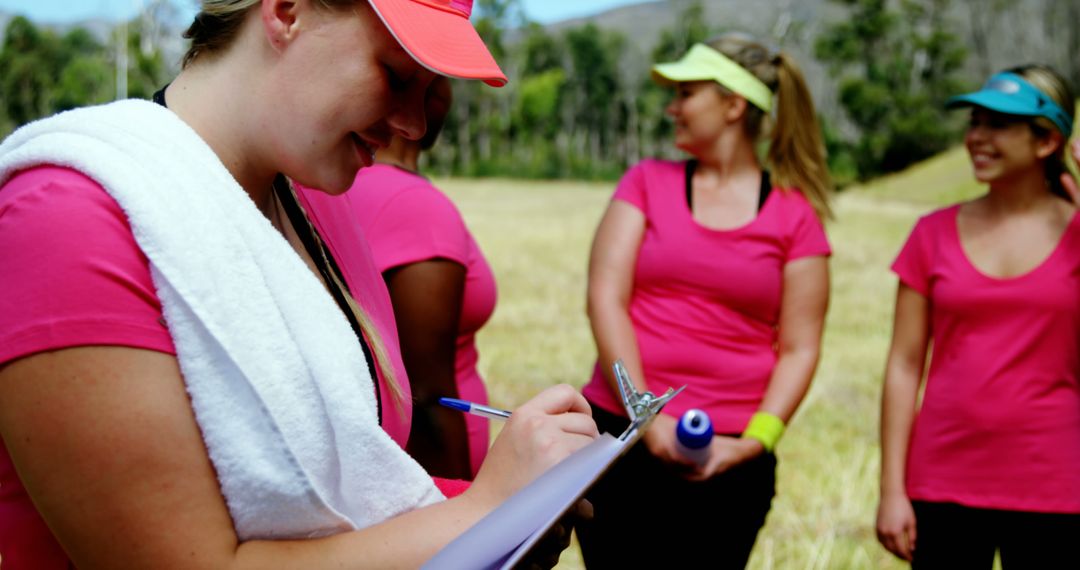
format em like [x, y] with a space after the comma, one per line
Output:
[694, 429]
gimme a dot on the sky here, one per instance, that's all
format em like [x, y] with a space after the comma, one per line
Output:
[66, 11]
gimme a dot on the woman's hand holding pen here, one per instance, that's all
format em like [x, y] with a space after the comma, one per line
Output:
[539, 434]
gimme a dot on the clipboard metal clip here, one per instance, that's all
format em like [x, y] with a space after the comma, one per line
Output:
[641, 407]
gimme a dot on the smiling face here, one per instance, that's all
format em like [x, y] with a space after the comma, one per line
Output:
[345, 87]
[1003, 146]
[701, 113]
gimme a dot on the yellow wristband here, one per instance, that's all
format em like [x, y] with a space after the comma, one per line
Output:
[766, 428]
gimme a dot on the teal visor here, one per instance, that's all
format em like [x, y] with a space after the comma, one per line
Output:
[1011, 94]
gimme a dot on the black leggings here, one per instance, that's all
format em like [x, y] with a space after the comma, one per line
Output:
[948, 535]
[646, 515]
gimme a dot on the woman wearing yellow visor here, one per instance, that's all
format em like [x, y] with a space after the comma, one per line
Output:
[710, 273]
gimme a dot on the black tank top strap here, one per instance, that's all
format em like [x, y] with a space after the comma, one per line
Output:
[763, 192]
[325, 263]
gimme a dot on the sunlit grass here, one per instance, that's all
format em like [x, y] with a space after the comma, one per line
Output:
[536, 236]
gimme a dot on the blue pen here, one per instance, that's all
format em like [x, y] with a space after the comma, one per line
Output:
[476, 409]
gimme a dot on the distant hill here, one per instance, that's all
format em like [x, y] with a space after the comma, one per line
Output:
[1017, 32]
[797, 22]
[1018, 29]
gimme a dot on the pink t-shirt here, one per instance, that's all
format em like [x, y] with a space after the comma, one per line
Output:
[706, 303]
[407, 220]
[73, 275]
[999, 424]
[338, 228]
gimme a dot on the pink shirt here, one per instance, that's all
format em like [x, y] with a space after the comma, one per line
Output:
[999, 424]
[59, 228]
[73, 275]
[339, 231]
[406, 220]
[706, 303]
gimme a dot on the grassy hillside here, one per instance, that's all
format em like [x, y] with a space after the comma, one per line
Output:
[536, 236]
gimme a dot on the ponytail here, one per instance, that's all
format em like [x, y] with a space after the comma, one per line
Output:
[797, 151]
[1054, 85]
[796, 154]
[367, 326]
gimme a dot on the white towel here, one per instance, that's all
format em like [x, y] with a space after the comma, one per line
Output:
[278, 382]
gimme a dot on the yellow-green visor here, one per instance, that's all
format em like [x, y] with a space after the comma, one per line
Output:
[703, 63]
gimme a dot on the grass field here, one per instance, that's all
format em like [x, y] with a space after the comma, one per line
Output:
[536, 236]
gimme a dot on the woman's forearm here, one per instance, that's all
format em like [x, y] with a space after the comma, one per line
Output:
[615, 340]
[897, 416]
[790, 381]
[903, 376]
[427, 299]
[611, 284]
[802, 320]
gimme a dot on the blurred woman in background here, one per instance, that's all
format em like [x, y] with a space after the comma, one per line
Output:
[710, 273]
[990, 460]
[441, 287]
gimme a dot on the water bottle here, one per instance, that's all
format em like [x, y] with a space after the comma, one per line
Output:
[693, 434]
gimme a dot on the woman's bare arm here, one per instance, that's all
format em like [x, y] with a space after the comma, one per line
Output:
[903, 376]
[427, 298]
[106, 444]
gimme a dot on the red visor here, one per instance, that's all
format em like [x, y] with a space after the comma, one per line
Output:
[438, 34]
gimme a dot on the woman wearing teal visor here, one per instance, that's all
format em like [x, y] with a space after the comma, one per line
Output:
[990, 460]
[711, 274]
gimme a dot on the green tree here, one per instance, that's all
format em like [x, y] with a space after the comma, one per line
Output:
[593, 111]
[537, 96]
[31, 60]
[83, 80]
[44, 73]
[536, 122]
[479, 122]
[540, 51]
[85, 76]
[146, 64]
[690, 27]
[896, 68]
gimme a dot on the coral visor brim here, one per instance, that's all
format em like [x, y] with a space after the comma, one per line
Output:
[440, 38]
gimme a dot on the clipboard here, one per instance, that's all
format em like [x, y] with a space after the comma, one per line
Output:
[503, 537]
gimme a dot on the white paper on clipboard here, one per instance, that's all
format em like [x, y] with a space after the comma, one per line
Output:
[506, 534]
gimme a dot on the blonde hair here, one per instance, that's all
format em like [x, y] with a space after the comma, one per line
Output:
[218, 22]
[1052, 84]
[367, 326]
[796, 154]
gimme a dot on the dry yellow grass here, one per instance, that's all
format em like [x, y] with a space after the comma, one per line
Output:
[536, 236]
